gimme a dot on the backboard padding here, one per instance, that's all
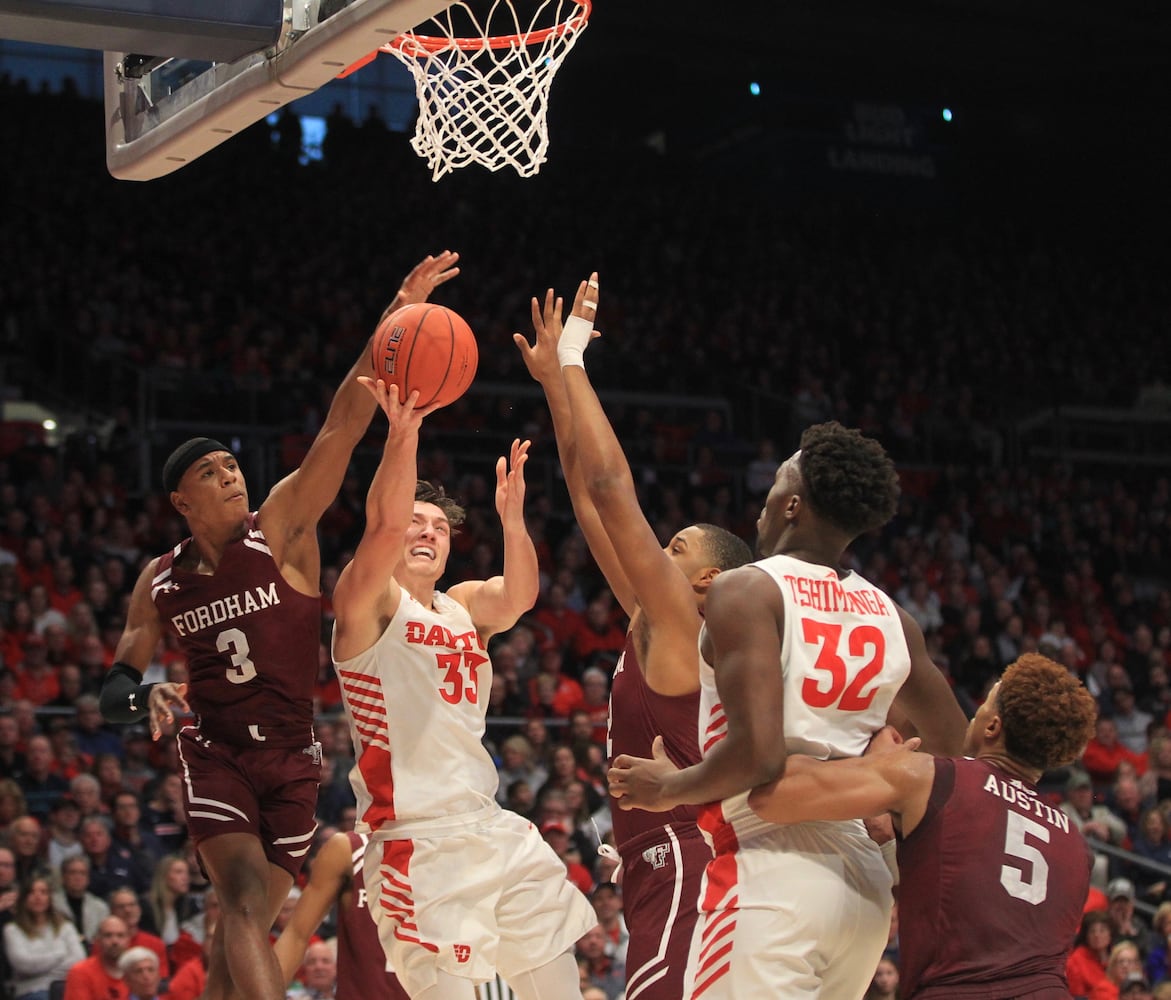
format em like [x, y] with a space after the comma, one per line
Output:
[148, 138]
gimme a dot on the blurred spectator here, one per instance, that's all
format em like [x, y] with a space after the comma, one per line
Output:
[1128, 925]
[140, 973]
[1104, 753]
[603, 970]
[137, 769]
[12, 762]
[41, 785]
[595, 686]
[558, 621]
[599, 639]
[92, 735]
[1086, 966]
[171, 900]
[76, 903]
[110, 867]
[607, 901]
[1130, 721]
[41, 944]
[164, 816]
[24, 838]
[128, 831]
[552, 693]
[517, 764]
[885, 984]
[86, 791]
[318, 978]
[11, 803]
[1124, 966]
[1094, 820]
[1154, 844]
[98, 977]
[62, 839]
[36, 678]
[126, 906]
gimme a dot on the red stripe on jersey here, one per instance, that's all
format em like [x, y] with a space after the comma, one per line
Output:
[720, 924]
[374, 766]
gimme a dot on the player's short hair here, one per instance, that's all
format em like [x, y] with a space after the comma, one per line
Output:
[849, 480]
[726, 550]
[1047, 713]
[426, 492]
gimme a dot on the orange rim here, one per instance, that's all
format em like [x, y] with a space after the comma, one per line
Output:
[420, 45]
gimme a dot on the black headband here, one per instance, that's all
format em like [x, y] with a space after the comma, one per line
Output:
[183, 457]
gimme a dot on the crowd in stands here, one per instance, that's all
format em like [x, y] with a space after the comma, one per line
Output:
[928, 337]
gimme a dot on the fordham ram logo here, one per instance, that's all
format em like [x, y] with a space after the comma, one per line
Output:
[656, 856]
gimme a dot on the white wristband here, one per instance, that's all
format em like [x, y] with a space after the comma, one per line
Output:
[575, 336]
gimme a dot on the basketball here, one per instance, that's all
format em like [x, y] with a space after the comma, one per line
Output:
[428, 348]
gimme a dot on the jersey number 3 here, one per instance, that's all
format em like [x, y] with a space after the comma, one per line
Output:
[455, 688]
[847, 693]
[233, 640]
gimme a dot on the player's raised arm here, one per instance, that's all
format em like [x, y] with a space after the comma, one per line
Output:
[743, 643]
[666, 596]
[497, 603]
[366, 594]
[290, 514]
[331, 868]
[927, 700]
[543, 364]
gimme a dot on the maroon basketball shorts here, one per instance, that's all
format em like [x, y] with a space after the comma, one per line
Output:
[661, 875]
[269, 793]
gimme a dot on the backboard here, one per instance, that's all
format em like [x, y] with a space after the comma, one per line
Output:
[164, 111]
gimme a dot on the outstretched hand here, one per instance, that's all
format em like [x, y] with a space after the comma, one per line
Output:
[424, 278]
[637, 782]
[402, 415]
[166, 701]
[540, 357]
[510, 484]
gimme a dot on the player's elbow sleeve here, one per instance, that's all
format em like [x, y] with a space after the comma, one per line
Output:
[124, 697]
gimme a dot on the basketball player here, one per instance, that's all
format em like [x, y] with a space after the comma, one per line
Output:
[992, 880]
[241, 596]
[803, 910]
[656, 682]
[459, 887]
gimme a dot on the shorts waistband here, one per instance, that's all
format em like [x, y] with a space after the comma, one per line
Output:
[246, 736]
[682, 831]
[434, 826]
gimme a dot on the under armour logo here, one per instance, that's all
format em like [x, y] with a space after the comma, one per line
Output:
[133, 695]
[462, 952]
[656, 856]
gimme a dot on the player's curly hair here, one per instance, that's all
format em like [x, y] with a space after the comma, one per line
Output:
[1048, 714]
[726, 550]
[426, 492]
[849, 479]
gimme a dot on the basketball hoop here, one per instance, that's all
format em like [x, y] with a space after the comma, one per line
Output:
[483, 83]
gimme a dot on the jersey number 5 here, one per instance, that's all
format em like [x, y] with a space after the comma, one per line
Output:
[455, 689]
[847, 693]
[1015, 846]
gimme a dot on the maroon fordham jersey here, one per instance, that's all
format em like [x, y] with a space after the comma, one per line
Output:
[637, 716]
[991, 888]
[361, 962]
[251, 643]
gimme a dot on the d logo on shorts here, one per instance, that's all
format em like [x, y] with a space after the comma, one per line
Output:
[656, 856]
[462, 952]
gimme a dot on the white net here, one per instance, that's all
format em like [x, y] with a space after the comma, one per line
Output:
[483, 82]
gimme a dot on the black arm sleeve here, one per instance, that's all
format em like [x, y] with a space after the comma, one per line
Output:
[124, 697]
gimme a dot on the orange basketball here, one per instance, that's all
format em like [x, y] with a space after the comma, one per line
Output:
[428, 348]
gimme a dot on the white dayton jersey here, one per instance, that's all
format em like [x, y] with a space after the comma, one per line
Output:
[416, 702]
[844, 657]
